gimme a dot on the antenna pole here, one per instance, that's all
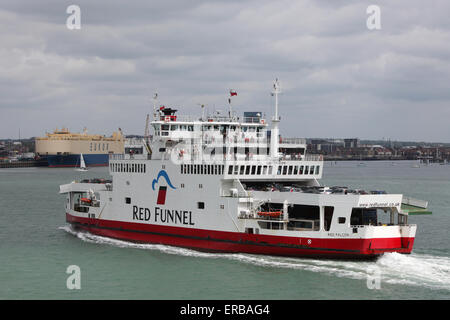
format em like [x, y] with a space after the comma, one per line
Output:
[274, 136]
[155, 99]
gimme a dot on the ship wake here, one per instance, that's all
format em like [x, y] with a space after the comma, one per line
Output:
[415, 269]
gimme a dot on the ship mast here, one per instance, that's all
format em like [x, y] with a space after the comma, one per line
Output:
[274, 143]
[155, 99]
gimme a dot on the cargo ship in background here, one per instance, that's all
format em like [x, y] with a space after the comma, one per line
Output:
[223, 183]
[63, 148]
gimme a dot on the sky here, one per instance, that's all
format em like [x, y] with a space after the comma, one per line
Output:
[339, 78]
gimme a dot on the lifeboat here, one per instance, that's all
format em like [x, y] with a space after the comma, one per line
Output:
[272, 214]
[87, 200]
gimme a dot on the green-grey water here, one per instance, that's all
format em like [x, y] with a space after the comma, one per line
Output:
[37, 246]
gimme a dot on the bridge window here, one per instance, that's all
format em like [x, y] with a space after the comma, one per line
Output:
[200, 205]
[311, 170]
[259, 170]
[317, 169]
[300, 171]
[306, 169]
[242, 170]
[253, 170]
[290, 170]
[247, 170]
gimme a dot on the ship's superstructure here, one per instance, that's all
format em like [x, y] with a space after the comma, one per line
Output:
[220, 183]
[63, 148]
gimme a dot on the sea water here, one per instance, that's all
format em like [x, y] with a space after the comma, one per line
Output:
[37, 247]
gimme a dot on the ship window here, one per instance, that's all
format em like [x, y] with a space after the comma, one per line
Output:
[190, 128]
[202, 167]
[173, 127]
[259, 170]
[182, 185]
[270, 169]
[290, 170]
[279, 170]
[127, 200]
[295, 170]
[362, 216]
[306, 169]
[328, 215]
[247, 170]
[230, 169]
[242, 170]
[236, 168]
[317, 169]
[341, 220]
[300, 171]
[215, 169]
[165, 127]
[311, 170]
[264, 170]
[200, 205]
[95, 147]
[221, 169]
[90, 146]
[253, 169]
[284, 170]
[181, 168]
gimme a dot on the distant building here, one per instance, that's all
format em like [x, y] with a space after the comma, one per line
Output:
[351, 143]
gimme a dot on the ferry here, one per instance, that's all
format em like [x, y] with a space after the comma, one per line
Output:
[63, 148]
[223, 183]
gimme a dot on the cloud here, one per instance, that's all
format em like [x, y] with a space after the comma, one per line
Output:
[338, 77]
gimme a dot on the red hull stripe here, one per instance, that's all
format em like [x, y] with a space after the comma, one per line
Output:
[238, 242]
